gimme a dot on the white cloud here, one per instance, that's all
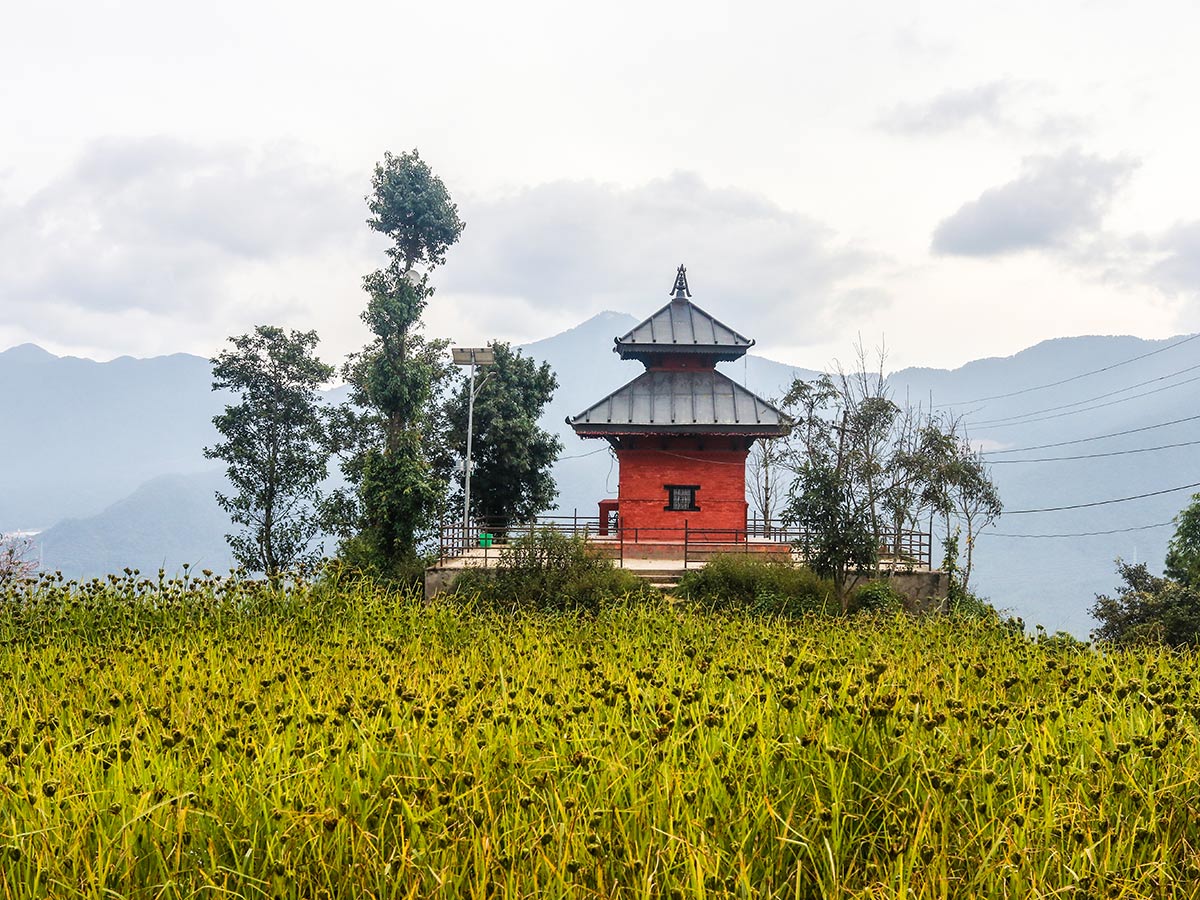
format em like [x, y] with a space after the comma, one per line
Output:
[580, 247]
[1056, 201]
[1178, 267]
[950, 110]
[160, 226]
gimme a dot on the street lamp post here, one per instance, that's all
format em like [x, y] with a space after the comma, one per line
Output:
[471, 356]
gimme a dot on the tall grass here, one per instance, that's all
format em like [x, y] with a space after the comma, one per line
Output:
[217, 738]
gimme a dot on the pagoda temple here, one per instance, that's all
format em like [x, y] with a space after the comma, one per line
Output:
[681, 430]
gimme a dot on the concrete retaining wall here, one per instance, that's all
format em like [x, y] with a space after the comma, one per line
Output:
[440, 580]
[925, 592]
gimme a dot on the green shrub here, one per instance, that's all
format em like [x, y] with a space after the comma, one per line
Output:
[407, 573]
[760, 584]
[970, 606]
[877, 596]
[548, 570]
[1061, 641]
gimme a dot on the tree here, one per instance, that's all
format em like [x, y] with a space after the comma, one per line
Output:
[955, 484]
[16, 559]
[1148, 609]
[411, 206]
[830, 497]
[512, 456]
[766, 478]
[974, 499]
[275, 444]
[840, 542]
[383, 433]
[1183, 552]
[868, 470]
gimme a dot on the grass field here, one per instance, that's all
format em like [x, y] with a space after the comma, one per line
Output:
[219, 739]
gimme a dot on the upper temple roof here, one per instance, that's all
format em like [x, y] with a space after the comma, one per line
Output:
[681, 327]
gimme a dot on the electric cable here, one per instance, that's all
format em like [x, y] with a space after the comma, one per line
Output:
[700, 459]
[582, 455]
[1077, 533]
[1041, 387]
[1002, 462]
[1022, 512]
[1098, 437]
[1037, 412]
[1004, 423]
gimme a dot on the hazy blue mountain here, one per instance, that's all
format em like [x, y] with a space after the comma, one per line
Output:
[169, 520]
[1054, 580]
[79, 435]
[90, 442]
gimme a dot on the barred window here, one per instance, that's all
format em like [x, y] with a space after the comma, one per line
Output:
[681, 497]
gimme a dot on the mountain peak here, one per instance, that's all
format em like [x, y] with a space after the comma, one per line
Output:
[27, 353]
[602, 322]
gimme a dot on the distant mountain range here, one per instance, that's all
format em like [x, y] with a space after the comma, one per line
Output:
[104, 458]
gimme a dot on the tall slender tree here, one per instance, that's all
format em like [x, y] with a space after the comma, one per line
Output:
[275, 445]
[384, 431]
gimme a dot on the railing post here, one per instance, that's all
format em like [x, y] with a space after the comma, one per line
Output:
[685, 543]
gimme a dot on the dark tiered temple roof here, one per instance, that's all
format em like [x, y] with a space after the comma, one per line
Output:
[681, 401]
[681, 392]
[681, 327]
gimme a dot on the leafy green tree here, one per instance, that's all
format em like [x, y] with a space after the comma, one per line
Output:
[829, 496]
[275, 445]
[955, 484]
[866, 470]
[1183, 552]
[411, 205]
[840, 542]
[386, 430]
[1148, 609]
[512, 455]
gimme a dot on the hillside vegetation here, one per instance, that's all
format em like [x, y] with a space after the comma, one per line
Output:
[208, 738]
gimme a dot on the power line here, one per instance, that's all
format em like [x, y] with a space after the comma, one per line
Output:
[1131, 387]
[582, 455]
[1006, 423]
[1077, 533]
[1098, 437]
[1041, 387]
[700, 459]
[1002, 462]
[1021, 512]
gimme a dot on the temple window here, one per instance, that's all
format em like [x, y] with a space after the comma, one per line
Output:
[682, 497]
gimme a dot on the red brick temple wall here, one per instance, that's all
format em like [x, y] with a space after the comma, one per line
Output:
[720, 475]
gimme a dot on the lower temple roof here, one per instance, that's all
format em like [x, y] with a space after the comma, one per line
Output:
[674, 401]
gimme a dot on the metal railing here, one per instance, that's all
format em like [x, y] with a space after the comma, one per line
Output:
[482, 542]
[485, 538]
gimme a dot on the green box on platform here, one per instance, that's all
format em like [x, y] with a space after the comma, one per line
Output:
[485, 539]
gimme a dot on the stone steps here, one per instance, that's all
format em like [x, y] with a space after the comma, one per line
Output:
[665, 579]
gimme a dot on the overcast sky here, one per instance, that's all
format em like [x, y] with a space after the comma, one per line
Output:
[957, 179]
